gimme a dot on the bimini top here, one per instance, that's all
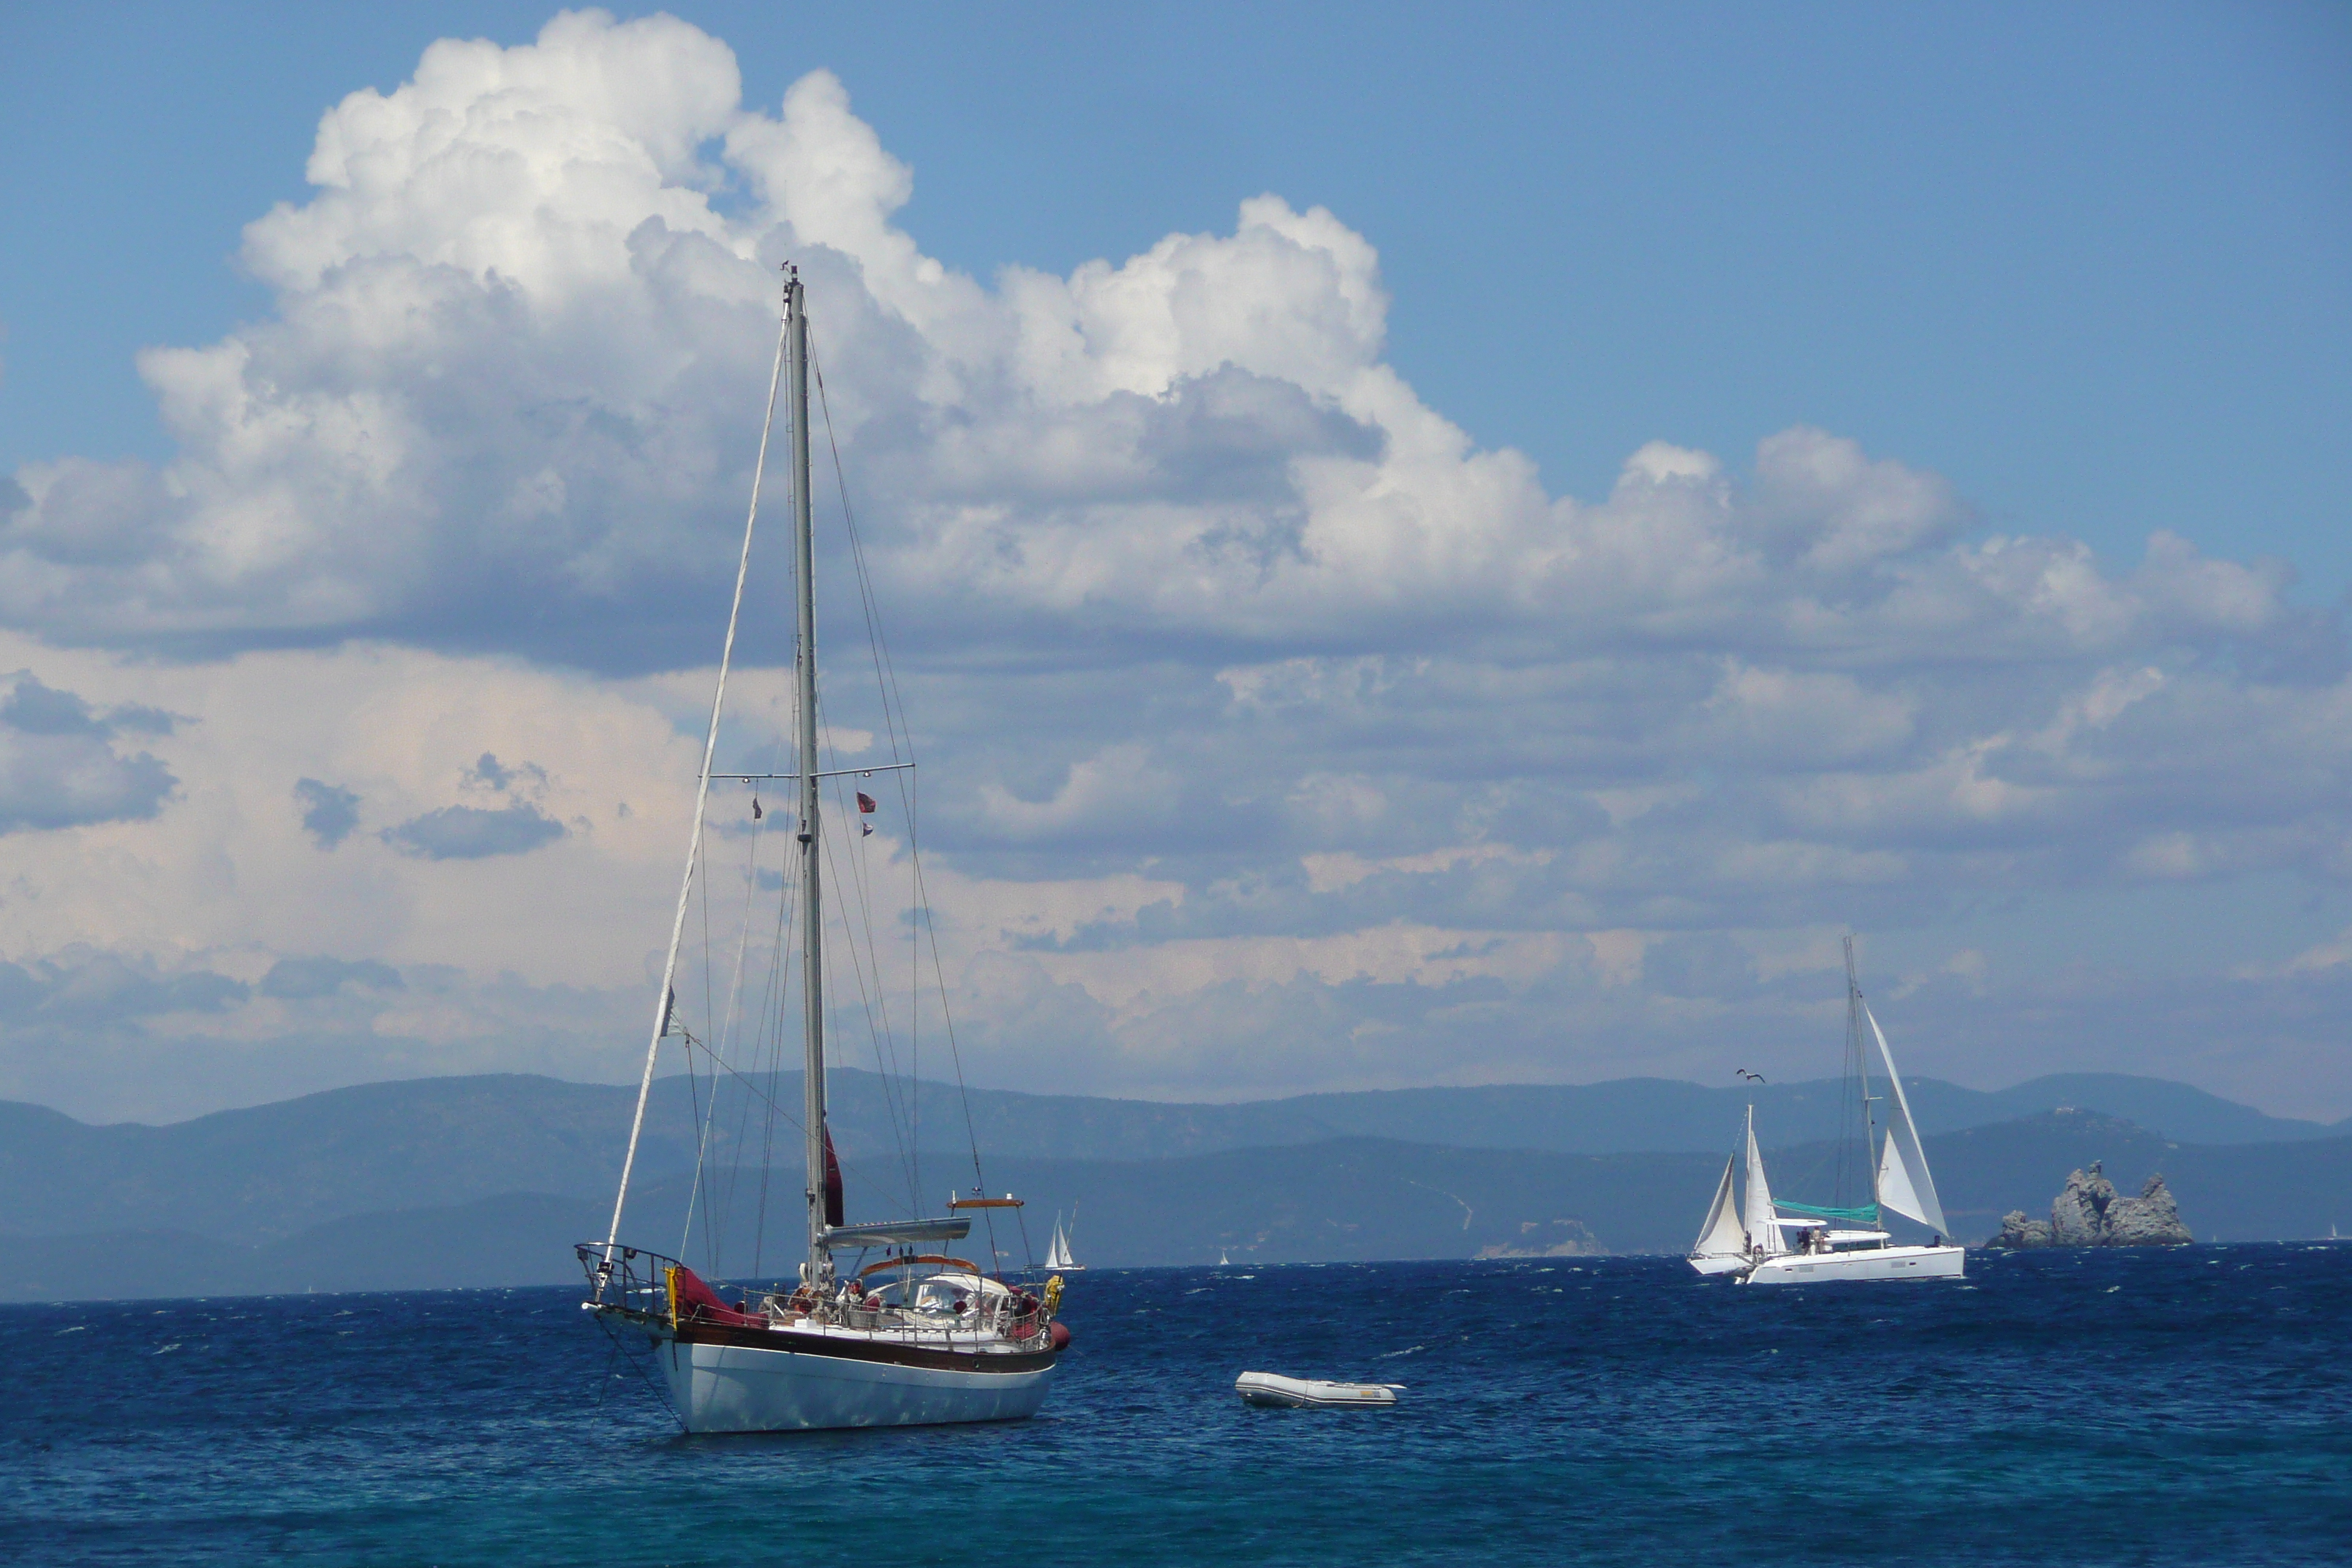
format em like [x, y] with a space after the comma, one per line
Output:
[896, 1233]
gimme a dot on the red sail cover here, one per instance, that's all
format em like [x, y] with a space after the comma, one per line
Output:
[832, 1182]
[692, 1301]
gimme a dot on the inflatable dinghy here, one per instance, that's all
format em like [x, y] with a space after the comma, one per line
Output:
[1274, 1390]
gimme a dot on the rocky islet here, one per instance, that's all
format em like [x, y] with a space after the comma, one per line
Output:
[2090, 1213]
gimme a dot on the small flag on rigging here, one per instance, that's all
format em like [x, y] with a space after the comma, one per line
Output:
[865, 806]
[755, 809]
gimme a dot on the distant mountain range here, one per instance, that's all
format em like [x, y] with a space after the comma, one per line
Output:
[488, 1180]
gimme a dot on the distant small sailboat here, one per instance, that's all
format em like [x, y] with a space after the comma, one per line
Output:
[1749, 1238]
[1223, 1261]
[1274, 1390]
[1057, 1256]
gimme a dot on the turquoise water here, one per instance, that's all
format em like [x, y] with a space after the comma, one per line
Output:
[2191, 1406]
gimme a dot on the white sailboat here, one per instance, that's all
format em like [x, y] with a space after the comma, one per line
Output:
[914, 1336]
[1753, 1240]
[1057, 1256]
[1734, 1235]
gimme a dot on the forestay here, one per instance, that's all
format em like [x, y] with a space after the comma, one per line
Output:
[1903, 1183]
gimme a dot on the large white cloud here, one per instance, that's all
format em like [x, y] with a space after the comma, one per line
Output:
[1281, 734]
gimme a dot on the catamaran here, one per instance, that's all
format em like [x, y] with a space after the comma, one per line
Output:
[903, 1332]
[1748, 1235]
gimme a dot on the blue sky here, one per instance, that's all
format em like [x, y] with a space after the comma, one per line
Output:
[2095, 262]
[1419, 554]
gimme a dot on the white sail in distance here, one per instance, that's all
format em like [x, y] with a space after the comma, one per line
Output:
[1763, 1234]
[1903, 1183]
[1057, 1256]
[1722, 1235]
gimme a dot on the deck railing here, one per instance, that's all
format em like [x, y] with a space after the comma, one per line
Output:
[635, 1283]
[629, 1278]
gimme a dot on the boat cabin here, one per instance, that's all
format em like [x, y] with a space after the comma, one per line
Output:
[942, 1295]
[1815, 1236]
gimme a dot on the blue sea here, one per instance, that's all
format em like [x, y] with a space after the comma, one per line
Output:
[2188, 1406]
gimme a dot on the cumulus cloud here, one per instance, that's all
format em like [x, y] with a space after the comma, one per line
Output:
[516, 360]
[306, 979]
[1114, 789]
[1271, 727]
[60, 767]
[490, 773]
[328, 812]
[83, 987]
[473, 832]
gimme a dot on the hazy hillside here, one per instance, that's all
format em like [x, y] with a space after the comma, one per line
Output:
[1381, 1198]
[254, 1176]
[1621, 1117]
[1339, 1199]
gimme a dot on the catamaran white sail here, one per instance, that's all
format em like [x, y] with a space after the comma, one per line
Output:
[1753, 1240]
[1057, 1256]
[916, 1335]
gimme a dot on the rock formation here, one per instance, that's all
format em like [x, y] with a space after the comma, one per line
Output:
[2078, 1215]
[2016, 1230]
[2151, 1219]
[2089, 1212]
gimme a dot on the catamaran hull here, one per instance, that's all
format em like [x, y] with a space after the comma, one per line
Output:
[716, 1387]
[1708, 1263]
[1873, 1263]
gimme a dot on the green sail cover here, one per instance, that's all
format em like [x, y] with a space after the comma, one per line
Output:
[1866, 1215]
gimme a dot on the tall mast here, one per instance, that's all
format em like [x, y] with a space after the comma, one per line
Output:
[1861, 1050]
[810, 842]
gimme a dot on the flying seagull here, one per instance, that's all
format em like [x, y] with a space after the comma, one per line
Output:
[1750, 1076]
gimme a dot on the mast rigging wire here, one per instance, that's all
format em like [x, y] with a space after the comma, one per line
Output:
[701, 799]
[887, 676]
[902, 1104]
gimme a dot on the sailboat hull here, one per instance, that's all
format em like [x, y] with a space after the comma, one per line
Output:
[734, 1387]
[1868, 1263]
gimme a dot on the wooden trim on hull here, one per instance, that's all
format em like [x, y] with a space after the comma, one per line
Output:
[789, 1342]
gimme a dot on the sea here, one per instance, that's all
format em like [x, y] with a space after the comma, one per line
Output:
[2191, 1405]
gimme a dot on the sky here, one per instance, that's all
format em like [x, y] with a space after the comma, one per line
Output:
[1411, 555]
